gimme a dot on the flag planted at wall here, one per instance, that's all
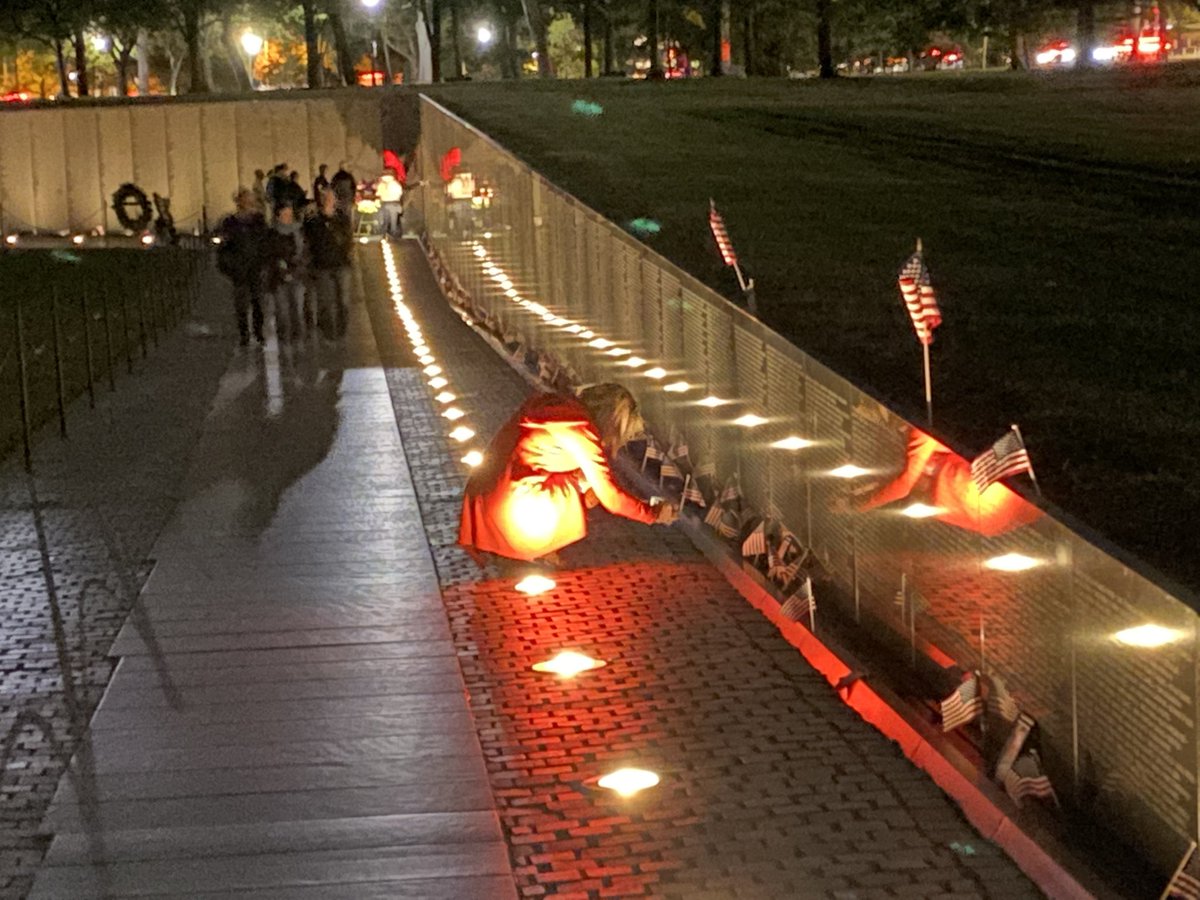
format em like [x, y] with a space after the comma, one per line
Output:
[721, 235]
[801, 603]
[963, 705]
[1006, 457]
[919, 298]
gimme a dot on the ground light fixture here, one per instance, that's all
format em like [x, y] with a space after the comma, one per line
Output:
[445, 397]
[534, 585]
[750, 420]
[634, 362]
[11, 240]
[600, 344]
[1147, 636]
[676, 387]
[432, 370]
[627, 782]
[712, 401]
[77, 240]
[792, 442]
[587, 334]
[438, 383]
[425, 360]
[453, 414]
[921, 511]
[573, 328]
[1011, 562]
[849, 470]
[147, 240]
[657, 373]
[472, 459]
[568, 664]
[462, 433]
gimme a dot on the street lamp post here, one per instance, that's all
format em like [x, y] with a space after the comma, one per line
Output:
[371, 6]
[252, 44]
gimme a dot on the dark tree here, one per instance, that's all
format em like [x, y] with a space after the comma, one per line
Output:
[825, 38]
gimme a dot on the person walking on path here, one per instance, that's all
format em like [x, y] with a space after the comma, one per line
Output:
[389, 192]
[329, 238]
[259, 191]
[549, 463]
[320, 183]
[344, 188]
[241, 258]
[285, 275]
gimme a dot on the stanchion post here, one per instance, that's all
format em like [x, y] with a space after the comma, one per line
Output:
[58, 366]
[87, 349]
[108, 347]
[141, 304]
[125, 342]
[23, 379]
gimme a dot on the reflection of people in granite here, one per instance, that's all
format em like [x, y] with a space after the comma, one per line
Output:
[942, 479]
[260, 445]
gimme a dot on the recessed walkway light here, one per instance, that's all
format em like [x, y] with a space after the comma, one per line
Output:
[657, 373]
[568, 664]
[535, 584]
[473, 458]
[628, 782]
[676, 387]
[438, 383]
[445, 397]
[462, 433]
[432, 370]
[634, 362]
[453, 414]
[711, 401]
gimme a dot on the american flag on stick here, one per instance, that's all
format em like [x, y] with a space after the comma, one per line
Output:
[1026, 779]
[1005, 457]
[755, 543]
[652, 451]
[692, 494]
[963, 705]
[1185, 883]
[728, 254]
[919, 298]
[801, 603]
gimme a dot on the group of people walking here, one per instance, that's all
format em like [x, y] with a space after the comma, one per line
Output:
[285, 249]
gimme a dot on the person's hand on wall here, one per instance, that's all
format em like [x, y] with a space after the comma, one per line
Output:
[668, 513]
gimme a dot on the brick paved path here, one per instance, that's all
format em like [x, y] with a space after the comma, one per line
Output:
[771, 786]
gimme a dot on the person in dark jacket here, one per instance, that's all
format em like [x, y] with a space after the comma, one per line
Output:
[329, 238]
[285, 275]
[320, 183]
[241, 259]
[344, 188]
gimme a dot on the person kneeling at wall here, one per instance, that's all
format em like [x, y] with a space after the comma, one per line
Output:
[549, 462]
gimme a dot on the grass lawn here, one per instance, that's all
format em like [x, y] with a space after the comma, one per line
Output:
[141, 293]
[1061, 222]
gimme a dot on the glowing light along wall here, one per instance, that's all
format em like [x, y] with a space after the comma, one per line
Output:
[433, 372]
[880, 503]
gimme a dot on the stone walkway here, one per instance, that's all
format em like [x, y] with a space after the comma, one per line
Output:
[288, 717]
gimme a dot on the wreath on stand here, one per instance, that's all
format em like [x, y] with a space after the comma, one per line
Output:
[131, 197]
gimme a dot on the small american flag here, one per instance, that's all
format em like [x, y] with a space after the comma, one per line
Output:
[727, 527]
[724, 244]
[1026, 779]
[755, 543]
[669, 470]
[692, 494]
[1186, 883]
[714, 515]
[678, 451]
[801, 603]
[732, 492]
[919, 298]
[1007, 456]
[653, 451]
[963, 705]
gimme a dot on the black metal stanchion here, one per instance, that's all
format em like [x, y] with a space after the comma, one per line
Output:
[23, 377]
[87, 350]
[58, 366]
[108, 346]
